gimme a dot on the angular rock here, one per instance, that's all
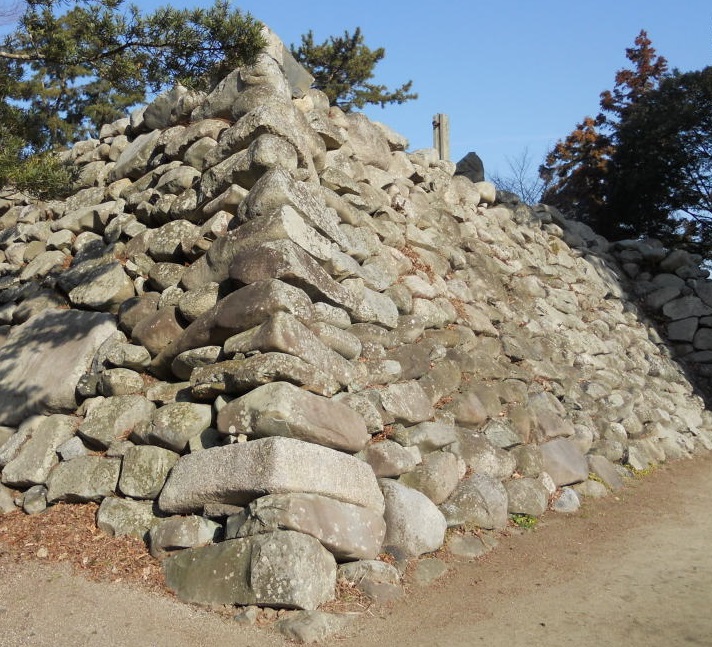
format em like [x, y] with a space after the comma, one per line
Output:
[414, 525]
[120, 381]
[407, 402]
[388, 459]
[158, 331]
[436, 477]
[427, 436]
[286, 261]
[282, 409]
[114, 419]
[86, 478]
[55, 342]
[280, 569]
[174, 424]
[564, 462]
[177, 533]
[144, 471]
[480, 501]
[347, 531]
[241, 310]
[38, 454]
[526, 496]
[283, 333]
[481, 456]
[241, 472]
[105, 290]
[117, 517]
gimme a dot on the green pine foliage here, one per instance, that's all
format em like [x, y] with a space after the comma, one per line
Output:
[71, 72]
[343, 67]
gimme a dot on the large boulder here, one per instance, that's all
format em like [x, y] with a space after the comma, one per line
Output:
[43, 359]
[279, 569]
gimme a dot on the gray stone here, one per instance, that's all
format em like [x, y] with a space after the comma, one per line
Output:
[601, 467]
[7, 500]
[242, 310]
[501, 433]
[685, 307]
[568, 501]
[72, 448]
[86, 478]
[280, 569]
[427, 436]
[414, 525]
[157, 331]
[144, 471]
[174, 424]
[120, 381]
[388, 459]
[529, 460]
[564, 462]
[239, 376]
[436, 477]
[480, 501]
[481, 456]
[38, 455]
[136, 358]
[114, 419]
[105, 289]
[55, 342]
[34, 500]
[378, 580]
[183, 365]
[347, 531]
[282, 409]
[178, 533]
[429, 570]
[241, 472]
[314, 626]
[526, 496]
[282, 332]
[407, 402]
[132, 161]
[117, 517]
[470, 546]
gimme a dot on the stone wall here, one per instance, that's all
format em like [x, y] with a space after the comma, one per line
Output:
[276, 345]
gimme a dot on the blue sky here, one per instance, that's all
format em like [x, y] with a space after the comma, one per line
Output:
[511, 74]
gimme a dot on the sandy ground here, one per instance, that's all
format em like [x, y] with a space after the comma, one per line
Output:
[630, 570]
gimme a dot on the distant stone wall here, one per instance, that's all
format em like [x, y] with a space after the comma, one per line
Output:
[276, 345]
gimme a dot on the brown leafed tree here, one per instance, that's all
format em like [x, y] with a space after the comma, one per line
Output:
[577, 171]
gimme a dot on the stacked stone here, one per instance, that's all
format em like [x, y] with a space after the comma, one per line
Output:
[269, 340]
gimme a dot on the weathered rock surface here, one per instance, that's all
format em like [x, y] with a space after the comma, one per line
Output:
[347, 531]
[280, 569]
[239, 473]
[54, 342]
[282, 409]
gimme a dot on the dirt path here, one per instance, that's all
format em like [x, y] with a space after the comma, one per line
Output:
[633, 571]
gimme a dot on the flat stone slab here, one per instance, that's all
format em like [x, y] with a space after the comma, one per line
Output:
[347, 531]
[282, 409]
[42, 360]
[242, 472]
[279, 569]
